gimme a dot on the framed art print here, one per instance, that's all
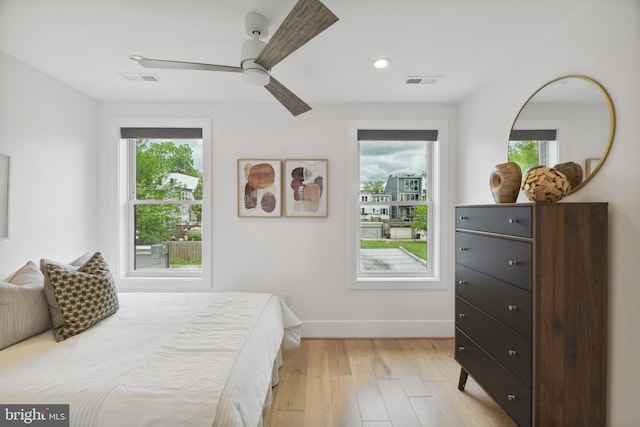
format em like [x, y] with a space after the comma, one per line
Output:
[305, 187]
[591, 164]
[259, 188]
[5, 163]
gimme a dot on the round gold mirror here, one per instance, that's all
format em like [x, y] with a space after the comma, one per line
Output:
[569, 119]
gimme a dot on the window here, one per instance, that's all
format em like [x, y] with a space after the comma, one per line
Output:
[532, 147]
[395, 229]
[411, 185]
[165, 200]
[409, 196]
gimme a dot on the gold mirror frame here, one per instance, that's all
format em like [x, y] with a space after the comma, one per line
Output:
[589, 174]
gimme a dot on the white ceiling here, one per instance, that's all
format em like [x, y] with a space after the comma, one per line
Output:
[87, 43]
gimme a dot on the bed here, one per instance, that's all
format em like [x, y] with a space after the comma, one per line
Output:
[175, 359]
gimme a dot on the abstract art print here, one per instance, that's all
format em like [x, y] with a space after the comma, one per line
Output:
[305, 187]
[259, 188]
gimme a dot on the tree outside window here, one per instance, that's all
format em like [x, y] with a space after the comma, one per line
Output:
[166, 203]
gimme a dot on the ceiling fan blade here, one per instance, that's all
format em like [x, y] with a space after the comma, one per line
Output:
[291, 102]
[307, 19]
[180, 65]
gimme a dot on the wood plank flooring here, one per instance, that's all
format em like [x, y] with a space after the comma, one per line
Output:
[378, 383]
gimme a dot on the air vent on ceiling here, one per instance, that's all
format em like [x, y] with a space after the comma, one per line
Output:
[141, 77]
[422, 80]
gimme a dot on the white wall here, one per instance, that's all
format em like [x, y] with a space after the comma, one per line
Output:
[50, 132]
[304, 257]
[485, 120]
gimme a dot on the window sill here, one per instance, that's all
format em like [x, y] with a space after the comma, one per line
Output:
[397, 284]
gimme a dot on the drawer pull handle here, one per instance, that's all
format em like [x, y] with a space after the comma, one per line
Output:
[462, 282]
[512, 307]
[513, 262]
[462, 218]
[463, 249]
[462, 315]
[513, 220]
[461, 348]
[511, 397]
[512, 353]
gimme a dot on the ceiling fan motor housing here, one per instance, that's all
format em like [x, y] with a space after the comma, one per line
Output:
[252, 73]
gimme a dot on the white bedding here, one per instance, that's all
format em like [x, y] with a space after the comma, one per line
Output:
[194, 359]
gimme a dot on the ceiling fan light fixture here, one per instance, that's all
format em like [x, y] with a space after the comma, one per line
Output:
[255, 77]
[252, 73]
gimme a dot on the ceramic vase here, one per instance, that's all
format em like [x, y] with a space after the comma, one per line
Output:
[572, 171]
[505, 182]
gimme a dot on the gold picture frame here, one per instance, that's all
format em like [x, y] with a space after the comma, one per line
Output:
[259, 188]
[305, 188]
[5, 169]
[590, 165]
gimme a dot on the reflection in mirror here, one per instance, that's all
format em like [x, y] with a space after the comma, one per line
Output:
[569, 119]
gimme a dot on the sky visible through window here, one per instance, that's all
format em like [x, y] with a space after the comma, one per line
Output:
[196, 146]
[379, 159]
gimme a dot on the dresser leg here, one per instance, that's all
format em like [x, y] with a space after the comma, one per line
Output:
[463, 379]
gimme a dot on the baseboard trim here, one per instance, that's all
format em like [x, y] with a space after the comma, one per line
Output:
[378, 329]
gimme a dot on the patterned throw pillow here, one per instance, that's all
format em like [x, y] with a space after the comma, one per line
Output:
[83, 296]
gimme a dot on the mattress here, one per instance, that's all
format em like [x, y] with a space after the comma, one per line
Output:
[180, 359]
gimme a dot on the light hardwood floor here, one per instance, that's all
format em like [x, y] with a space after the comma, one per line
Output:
[378, 383]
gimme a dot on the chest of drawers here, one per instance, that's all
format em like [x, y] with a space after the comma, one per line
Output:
[531, 309]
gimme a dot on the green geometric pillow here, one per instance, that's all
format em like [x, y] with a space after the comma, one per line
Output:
[83, 296]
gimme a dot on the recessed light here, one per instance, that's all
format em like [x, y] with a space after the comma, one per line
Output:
[381, 63]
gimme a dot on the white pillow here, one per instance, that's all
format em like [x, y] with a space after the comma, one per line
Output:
[81, 260]
[24, 311]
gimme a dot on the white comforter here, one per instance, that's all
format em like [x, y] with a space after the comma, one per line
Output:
[196, 359]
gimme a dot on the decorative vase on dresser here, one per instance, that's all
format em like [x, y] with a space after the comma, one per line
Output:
[531, 309]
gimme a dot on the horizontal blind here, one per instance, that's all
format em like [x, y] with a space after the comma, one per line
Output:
[160, 133]
[533, 135]
[397, 135]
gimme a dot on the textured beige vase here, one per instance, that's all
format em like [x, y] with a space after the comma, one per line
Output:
[543, 184]
[505, 182]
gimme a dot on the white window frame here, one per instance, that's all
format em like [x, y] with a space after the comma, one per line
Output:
[158, 280]
[437, 219]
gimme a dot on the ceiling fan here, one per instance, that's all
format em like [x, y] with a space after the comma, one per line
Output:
[307, 19]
